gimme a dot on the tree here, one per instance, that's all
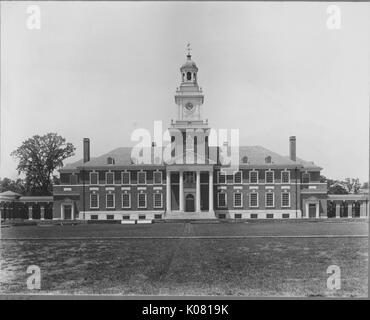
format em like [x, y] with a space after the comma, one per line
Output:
[353, 185]
[337, 188]
[17, 186]
[39, 157]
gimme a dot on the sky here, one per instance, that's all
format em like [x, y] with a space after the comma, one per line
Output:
[272, 70]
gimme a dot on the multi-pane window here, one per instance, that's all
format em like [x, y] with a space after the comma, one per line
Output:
[238, 177]
[158, 203]
[238, 202]
[157, 177]
[253, 200]
[253, 176]
[126, 200]
[285, 199]
[73, 179]
[141, 200]
[221, 198]
[109, 178]
[269, 176]
[94, 178]
[285, 176]
[110, 200]
[269, 199]
[126, 179]
[221, 177]
[306, 178]
[94, 201]
[141, 177]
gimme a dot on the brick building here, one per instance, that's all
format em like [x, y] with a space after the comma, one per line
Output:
[190, 179]
[192, 184]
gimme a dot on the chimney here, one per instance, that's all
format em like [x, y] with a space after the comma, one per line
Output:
[86, 150]
[292, 148]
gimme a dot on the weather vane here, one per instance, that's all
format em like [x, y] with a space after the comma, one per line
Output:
[188, 48]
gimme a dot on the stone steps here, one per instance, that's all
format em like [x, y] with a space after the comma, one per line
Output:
[189, 215]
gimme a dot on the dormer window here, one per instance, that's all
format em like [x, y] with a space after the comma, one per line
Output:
[245, 159]
[268, 159]
[188, 76]
[110, 160]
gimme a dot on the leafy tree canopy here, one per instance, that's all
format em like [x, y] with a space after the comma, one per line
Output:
[16, 186]
[39, 157]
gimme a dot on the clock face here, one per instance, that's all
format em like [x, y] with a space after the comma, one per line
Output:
[189, 106]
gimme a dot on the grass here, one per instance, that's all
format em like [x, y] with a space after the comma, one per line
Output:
[242, 267]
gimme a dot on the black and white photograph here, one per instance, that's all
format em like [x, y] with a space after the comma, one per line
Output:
[184, 149]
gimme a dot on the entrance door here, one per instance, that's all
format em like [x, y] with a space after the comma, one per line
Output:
[67, 212]
[189, 203]
[312, 210]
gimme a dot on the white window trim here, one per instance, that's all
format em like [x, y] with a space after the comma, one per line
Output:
[218, 200]
[250, 173]
[155, 194]
[106, 180]
[273, 176]
[273, 199]
[241, 200]
[250, 200]
[288, 193]
[106, 200]
[97, 179]
[141, 172]
[129, 176]
[129, 200]
[146, 200]
[218, 177]
[241, 177]
[161, 173]
[97, 194]
[288, 177]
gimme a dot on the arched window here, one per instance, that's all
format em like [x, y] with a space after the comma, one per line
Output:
[188, 76]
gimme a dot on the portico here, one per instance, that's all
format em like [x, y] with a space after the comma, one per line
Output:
[192, 185]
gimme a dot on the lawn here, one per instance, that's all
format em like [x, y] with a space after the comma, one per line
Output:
[187, 266]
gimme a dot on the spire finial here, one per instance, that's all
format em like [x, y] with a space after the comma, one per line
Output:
[189, 50]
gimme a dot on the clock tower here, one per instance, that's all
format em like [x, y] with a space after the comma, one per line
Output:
[189, 97]
[191, 134]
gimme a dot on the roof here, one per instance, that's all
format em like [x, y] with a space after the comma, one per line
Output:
[9, 194]
[308, 164]
[189, 64]
[256, 156]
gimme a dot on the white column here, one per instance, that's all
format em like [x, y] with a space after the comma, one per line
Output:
[181, 206]
[42, 212]
[363, 212]
[337, 210]
[197, 192]
[210, 191]
[349, 209]
[72, 211]
[307, 213]
[317, 210]
[30, 212]
[168, 191]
